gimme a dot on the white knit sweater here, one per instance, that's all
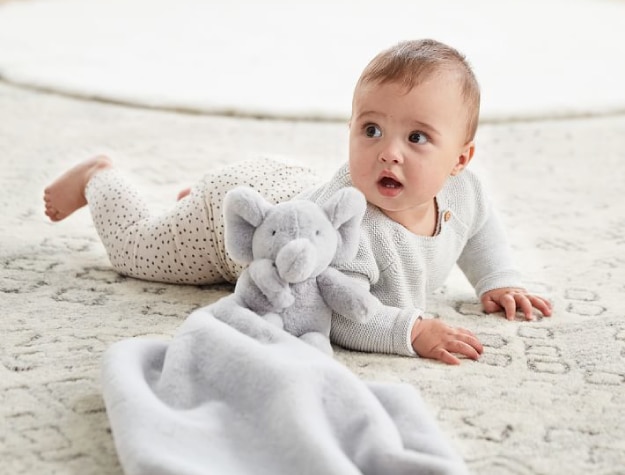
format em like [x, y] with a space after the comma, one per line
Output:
[401, 268]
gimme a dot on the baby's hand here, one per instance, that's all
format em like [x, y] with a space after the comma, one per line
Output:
[510, 300]
[437, 340]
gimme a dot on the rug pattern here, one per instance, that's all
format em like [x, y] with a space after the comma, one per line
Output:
[547, 397]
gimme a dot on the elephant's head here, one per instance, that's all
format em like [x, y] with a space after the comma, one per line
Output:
[299, 236]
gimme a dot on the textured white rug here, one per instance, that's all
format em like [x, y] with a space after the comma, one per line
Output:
[534, 58]
[547, 397]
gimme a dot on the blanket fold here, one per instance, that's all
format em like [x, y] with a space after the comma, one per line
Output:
[232, 394]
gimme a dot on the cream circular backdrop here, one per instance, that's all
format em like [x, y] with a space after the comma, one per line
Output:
[284, 58]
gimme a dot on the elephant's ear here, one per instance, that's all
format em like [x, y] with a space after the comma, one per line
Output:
[345, 210]
[244, 210]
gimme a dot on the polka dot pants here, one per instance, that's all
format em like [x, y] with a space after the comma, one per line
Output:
[184, 245]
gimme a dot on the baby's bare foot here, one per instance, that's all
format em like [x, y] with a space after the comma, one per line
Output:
[67, 193]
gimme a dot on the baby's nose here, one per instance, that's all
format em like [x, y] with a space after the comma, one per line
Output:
[391, 155]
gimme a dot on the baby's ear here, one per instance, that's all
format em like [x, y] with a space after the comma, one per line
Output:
[244, 210]
[464, 158]
[345, 210]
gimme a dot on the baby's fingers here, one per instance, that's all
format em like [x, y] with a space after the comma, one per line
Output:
[470, 339]
[542, 305]
[445, 356]
[525, 306]
[490, 306]
[509, 304]
[527, 303]
[514, 302]
[470, 347]
[462, 348]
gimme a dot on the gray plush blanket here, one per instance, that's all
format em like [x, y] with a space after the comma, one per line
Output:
[232, 394]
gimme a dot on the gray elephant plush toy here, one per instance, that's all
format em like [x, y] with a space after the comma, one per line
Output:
[289, 248]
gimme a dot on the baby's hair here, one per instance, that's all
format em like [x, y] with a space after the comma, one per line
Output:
[412, 62]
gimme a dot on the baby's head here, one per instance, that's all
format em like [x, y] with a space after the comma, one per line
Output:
[411, 63]
[414, 116]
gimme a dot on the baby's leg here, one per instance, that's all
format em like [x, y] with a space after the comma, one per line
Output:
[175, 246]
[183, 245]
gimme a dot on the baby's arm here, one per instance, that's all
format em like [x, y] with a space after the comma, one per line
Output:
[404, 332]
[487, 262]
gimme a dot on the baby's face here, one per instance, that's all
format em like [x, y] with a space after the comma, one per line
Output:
[403, 145]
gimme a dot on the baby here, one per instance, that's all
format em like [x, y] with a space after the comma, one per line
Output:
[414, 116]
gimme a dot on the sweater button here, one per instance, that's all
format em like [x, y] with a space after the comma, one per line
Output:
[447, 215]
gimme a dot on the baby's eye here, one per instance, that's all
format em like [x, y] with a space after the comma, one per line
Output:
[372, 130]
[418, 137]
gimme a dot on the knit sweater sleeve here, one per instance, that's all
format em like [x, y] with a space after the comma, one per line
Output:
[387, 332]
[486, 259]
[389, 329]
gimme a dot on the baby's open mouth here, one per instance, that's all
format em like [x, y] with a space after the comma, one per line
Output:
[388, 182]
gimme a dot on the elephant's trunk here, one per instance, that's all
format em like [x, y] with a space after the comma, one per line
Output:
[297, 261]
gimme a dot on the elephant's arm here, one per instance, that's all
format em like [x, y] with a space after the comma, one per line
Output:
[346, 296]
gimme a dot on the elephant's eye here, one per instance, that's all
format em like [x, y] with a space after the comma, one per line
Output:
[273, 233]
[317, 232]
